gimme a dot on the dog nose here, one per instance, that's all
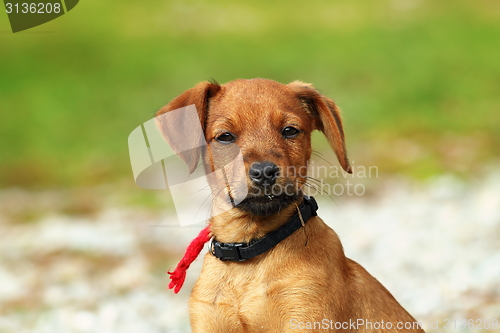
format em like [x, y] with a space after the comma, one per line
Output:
[264, 173]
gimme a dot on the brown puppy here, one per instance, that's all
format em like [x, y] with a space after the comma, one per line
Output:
[304, 282]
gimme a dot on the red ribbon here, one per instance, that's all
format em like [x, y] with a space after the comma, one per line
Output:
[193, 250]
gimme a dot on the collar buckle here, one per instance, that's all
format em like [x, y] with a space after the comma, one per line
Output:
[227, 251]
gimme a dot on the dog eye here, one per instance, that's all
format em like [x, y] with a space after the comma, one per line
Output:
[290, 132]
[226, 137]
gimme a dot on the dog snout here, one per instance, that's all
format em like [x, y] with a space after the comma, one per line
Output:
[264, 173]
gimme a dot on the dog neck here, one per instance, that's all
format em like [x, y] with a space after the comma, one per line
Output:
[236, 226]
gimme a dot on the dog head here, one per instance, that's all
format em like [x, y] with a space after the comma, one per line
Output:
[270, 124]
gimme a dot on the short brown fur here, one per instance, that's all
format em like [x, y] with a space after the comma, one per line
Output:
[306, 278]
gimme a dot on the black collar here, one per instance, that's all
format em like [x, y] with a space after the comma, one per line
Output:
[244, 251]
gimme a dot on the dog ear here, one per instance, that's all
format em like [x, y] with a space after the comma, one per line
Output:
[178, 133]
[326, 116]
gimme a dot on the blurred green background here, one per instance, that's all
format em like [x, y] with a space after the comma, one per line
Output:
[418, 80]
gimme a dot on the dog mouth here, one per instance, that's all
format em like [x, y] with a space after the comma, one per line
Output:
[267, 205]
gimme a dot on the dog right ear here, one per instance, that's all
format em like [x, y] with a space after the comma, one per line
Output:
[326, 117]
[182, 133]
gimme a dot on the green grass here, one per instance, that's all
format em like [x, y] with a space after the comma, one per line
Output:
[424, 71]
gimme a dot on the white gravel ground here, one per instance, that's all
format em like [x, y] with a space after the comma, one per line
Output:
[435, 246]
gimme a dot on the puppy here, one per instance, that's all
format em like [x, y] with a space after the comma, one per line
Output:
[274, 266]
